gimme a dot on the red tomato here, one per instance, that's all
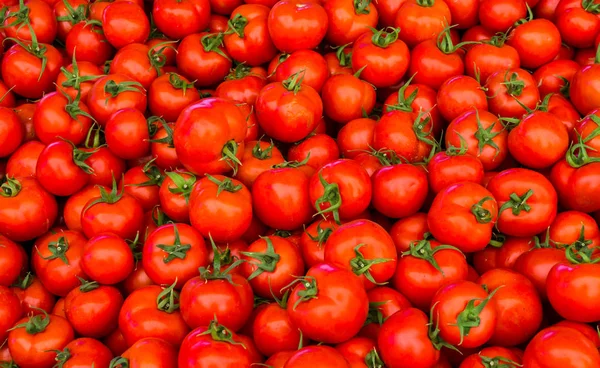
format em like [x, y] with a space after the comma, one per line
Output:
[558, 346]
[107, 259]
[348, 20]
[318, 357]
[399, 190]
[297, 25]
[124, 23]
[148, 351]
[177, 19]
[83, 351]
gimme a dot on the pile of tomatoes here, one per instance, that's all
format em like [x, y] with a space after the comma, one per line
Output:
[300, 183]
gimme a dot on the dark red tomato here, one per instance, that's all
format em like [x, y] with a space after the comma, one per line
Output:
[425, 268]
[173, 253]
[33, 295]
[405, 340]
[383, 303]
[527, 202]
[112, 93]
[249, 41]
[422, 20]
[169, 94]
[152, 311]
[10, 312]
[399, 190]
[559, 346]
[460, 94]
[13, 261]
[519, 308]
[76, 203]
[348, 20]
[124, 23]
[297, 25]
[148, 351]
[84, 351]
[381, 57]
[408, 230]
[57, 260]
[178, 19]
[93, 310]
[346, 97]
[87, 44]
[281, 199]
[107, 259]
[328, 294]
[34, 340]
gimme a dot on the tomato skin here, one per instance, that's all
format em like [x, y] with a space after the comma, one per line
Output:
[460, 94]
[76, 203]
[84, 351]
[548, 76]
[318, 357]
[125, 23]
[463, 215]
[201, 300]
[519, 308]
[41, 20]
[124, 218]
[391, 301]
[409, 229]
[201, 350]
[503, 97]
[214, 62]
[418, 280]
[568, 226]
[537, 42]
[432, 66]
[13, 261]
[499, 16]
[127, 134]
[102, 109]
[57, 276]
[281, 199]
[404, 341]
[151, 352]
[399, 190]
[33, 294]
[341, 301]
[107, 259]
[91, 45]
[305, 31]
[355, 137]
[258, 157]
[583, 89]
[177, 20]
[557, 346]
[501, 353]
[569, 180]
[10, 312]
[386, 64]
[273, 331]
[486, 59]
[420, 23]
[169, 94]
[51, 120]
[93, 313]
[12, 132]
[356, 350]
[310, 64]
[354, 188]
[571, 290]
[36, 350]
[536, 265]
[345, 97]
[445, 169]
[140, 317]
[543, 201]
[347, 22]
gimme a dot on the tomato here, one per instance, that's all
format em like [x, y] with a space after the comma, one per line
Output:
[86, 44]
[57, 116]
[157, 305]
[124, 23]
[249, 41]
[169, 94]
[499, 16]
[576, 176]
[536, 265]
[84, 351]
[346, 97]
[179, 19]
[173, 253]
[12, 132]
[92, 309]
[383, 56]
[309, 64]
[383, 303]
[213, 343]
[112, 93]
[407, 134]
[33, 295]
[209, 136]
[24, 160]
[583, 89]
[328, 295]
[305, 29]
[33, 341]
[409, 229]
[560, 346]
[10, 311]
[290, 110]
[356, 137]
[460, 94]
[526, 199]
[107, 258]
[453, 166]
[572, 226]
[318, 357]
[483, 60]
[13, 261]
[77, 78]
[57, 261]
[202, 57]
[147, 352]
[399, 190]
[342, 188]
[426, 267]
[510, 90]
[349, 19]
[258, 157]
[406, 340]
[494, 356]
[519, 308]
[273, 331]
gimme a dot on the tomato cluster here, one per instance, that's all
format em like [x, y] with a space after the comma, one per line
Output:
[299, 183]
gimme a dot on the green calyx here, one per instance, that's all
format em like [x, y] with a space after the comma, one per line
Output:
[168, 299]
[226, 184]
[10, 188]
[183, 185]
[177, 250]
[470, 316]
[265, 261]
[482, 215]
[361, 265]
[58, 250]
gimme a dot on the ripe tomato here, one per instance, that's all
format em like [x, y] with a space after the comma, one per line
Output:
[346, 97]
[10, 312]
[349, 19]
[112, 93]
[258, 157]
[84, 351]
[557, 346]
[510, 90]
[59, 117]
[147, 351]
[494, 356]
[383, 303]
[203, 58]
[169, 94]
[107, 258]
[422, 20]
[12, 132]
[303, 30]
[124, 23]
[178, 19]
[33, 295]
[318, 356]
[537, 41]
[273, 331]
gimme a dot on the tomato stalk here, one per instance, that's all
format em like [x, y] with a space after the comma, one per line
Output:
[177, 250]
[310, 290]
[183, 186]
[267, 260]
[426, 3]
[58, 250]
[21, 16]
[422, 250]
[168, 299]
[229, 153]
[11, 188]
[362, 7]
[74, 79]
[178, 83]
[434, 334]
[110, 198]
[498, 362]
[372, 359]
[168, 139]
[344, 58]
[580, 252]
[482, 215]
[294, 82]
[62, 357]
[113, 89]
[153, 173]
[447, 46]
[419, 126]
[385, 37]
[214, 42]
[224, 185]
[485, 136]
[159, 218]
[74, 15]
[292, 164]
[404, 103]
[457, 151]
[280, 59]
[514, 86]
[23, 282]
[375, 315]
[237, 25]
[36, 324]
[220, 333]
[119, 362]
[361, 266]
[517, 203]
[331, 195]
[157, 57]
[322, 235]
[498, 239]
[219, 259]
[590, 6]
[10, 364]
[34, 48]
[525, 20]
[262, 154]
[87, 286]
[577, 155]
[73, 109]
[469, 317]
